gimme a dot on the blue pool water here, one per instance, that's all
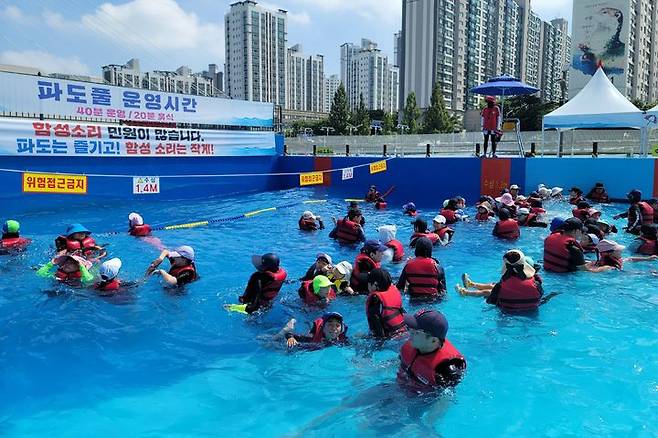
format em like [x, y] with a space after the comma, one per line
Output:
[149, 363]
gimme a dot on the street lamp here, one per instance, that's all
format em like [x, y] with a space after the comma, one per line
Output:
[327, 130]
[353, 128]
[402, 128]
[377, 128]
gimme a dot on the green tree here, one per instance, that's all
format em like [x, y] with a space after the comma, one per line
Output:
[339, 113]
[642, 105]
[411, 114]
[530, 111]
[361, 117]
[388, 123]
[437, 119]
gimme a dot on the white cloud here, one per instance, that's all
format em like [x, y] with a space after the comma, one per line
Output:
[382, 11]
[13, 13]
[45, 61]
[550, 9]
[299, 18]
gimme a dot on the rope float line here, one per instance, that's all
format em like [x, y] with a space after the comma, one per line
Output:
[225, 175]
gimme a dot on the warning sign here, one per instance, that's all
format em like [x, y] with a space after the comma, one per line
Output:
[146, 185]
[311, 178]
[54, 183]
[378, 166]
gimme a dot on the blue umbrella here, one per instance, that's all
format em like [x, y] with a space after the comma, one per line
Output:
[504, 85]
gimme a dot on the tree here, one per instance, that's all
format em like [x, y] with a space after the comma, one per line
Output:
[642, 105]
[411, 113]
[361, 117]
[388, 123]
[339, 113]
[530, 111]
[437, 119]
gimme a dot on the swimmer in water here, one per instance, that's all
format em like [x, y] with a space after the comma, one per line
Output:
[11, 239]
[609, 257]
[182, 270]
[409, 209]
[77, 241]
[71, 270]
[318, 291]
[340, 275]
[328, 330]
[137, 227]
[109, 274]
[321, 266]
[310, 222]
[264, 284]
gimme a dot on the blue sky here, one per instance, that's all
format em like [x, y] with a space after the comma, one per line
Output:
[79, 36]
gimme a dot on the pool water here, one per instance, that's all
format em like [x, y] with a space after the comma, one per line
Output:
[151, 363]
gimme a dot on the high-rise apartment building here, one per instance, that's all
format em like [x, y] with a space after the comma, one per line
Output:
[331, 85]
[256, 40]
[305, 81]
[315, 100]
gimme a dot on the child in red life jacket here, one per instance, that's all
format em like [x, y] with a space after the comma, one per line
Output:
[395, 251]
[428, 360]
[310, 222]
[409, 209]
[182, 271]
[645, 244]
[609, 257]
[506, 227]
[137, 227]
[68, 269]
[322, 266]
[109, 273]
[328, 330]
[442, 230]
[11, 239]
[423, 276]
[340, 275]
[264, 284]
[575, 196]
[384, 306]
[373, 194]
[77, 241]
[318, 291]
[525, 218]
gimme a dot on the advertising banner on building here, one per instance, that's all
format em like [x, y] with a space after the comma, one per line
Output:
[58, 138]
[52, 97]
[600, 35]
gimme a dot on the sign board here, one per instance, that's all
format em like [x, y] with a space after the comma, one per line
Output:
[146, 185]
[31, 137]
[54, 183]
[378, 166]
[348, 173]
[49, 96]
[311, 178]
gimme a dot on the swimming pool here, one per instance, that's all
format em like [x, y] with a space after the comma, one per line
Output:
[150, 363]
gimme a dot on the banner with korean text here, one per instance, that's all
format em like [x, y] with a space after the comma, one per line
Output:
[57, 138]
[20, 93]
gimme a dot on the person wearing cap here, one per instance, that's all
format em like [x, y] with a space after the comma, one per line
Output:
[484, 209]
[11, 238]
[645, 243]
[442, 230]
[506, 227]
[420, 230]
[395, 251]
[109, 274]
[609, 257]
[264, 284]
[137, 227]
[582, 210]
[373, 194]
[328, 330]
[317, 291]
[349, 230]
[589, 241]
[521, 202]
[310, 222]
[598, 194]
[384, 306]
[514, 191]
[423, 275]
[562, 252]
[182, 270]
[449, 211]
[409, 209]
[470, 288]
[520, 287]
[77, 241]
[71, 270]
[526, 218]
[340, 275]
[556, 193]
[368, 259]
[490, 119]
[428, 360]
[505, 201]
[543, 192]
[321, 266]
[639, 213]
[575, 196]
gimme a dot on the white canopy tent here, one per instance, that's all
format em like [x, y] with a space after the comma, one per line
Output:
[598, 105]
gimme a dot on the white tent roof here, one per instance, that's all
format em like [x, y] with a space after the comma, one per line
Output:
[598, 105]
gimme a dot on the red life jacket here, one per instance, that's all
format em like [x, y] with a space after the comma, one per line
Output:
[140, 230]
[398, 250]
[111, 286]
[415, 236]
[355, 283]
[556, 252]
[598, 197]
[576, 201]
[420, 369]
[306, 293]
[373, 196]
[16, 243]
[529, 218]
[482, 216]
[518, 294]
[648, 247]
[392, 312]
[176, 271]
[608, 260]
[380, 205]
[450, 215]
[507, 229]
[318, 333]
[581, 213]
[307, 224]
[490, 118]
[537, 210]
[442, 232]
[347, 231]
[647, 213]
[270, 290]
[64, 276]
[423, 277]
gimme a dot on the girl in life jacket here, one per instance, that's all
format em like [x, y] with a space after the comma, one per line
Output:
[368, 259]
[525, 218]
[310, 222]
[137, 227]
[69, 269]
[428, 360]
[11, 239]
[598, 194]
[484, 212]
[182, 270]
[582, 210]
[77, 241]
[109, 274]
[506, 227]
[318, 291]
[322, 266]
[645, 244]
[575, 196]
[423, 276]
[328, 330]
[349, 229]
[442, 230]
[420, 230]
[340, 275]
[264, 284]
[384, 306]
[609, 257]
[395, 251]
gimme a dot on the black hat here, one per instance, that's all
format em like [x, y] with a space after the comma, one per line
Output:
[429, 321]
[266, 262]
[420, 223]
[572, 224]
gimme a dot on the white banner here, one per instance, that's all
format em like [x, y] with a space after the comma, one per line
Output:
[348, 173]
[56, 138]
[36, 95]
